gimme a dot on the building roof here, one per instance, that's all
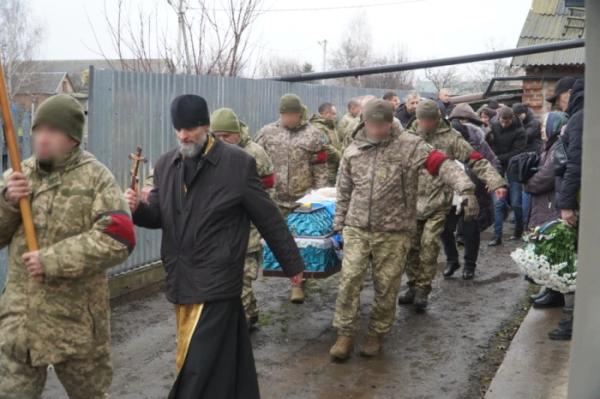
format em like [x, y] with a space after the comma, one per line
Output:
[77, 69]
[551, 21]
[40, 82]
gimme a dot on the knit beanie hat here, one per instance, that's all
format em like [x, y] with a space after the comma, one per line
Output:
[519, 108]
[290, 103]
[428, 109]
[224, 120]
[378, 111]
[61, 112]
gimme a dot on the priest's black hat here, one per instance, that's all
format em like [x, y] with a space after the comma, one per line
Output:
[189, 111]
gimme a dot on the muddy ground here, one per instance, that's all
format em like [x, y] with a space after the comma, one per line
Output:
[449, 352]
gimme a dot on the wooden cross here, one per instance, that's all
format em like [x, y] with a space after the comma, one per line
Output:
[136, 160]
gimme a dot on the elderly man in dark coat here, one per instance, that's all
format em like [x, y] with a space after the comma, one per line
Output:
[205, 195]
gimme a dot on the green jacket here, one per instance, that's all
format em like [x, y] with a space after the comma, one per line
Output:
[83, 227]
[265, 170]
[333, 148]
[377, 188]
[434, 195]
[346, 127]
[299, 156]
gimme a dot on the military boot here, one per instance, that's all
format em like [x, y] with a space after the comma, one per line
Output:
[297, 295]
[407, 297]
[342, 348]
[421, 299]
[372, 346]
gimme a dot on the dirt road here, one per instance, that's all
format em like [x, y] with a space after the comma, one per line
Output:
[436, 355]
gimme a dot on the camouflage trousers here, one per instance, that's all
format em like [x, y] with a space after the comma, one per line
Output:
[386, 253]
[82, 379]
[421, 266]
[251, 265]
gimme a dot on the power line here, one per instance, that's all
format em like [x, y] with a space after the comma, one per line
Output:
[329, 8]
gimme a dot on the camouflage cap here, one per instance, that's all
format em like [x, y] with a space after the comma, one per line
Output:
[224, 120]
[378, 111]
[290, 103]
[428, 109]
[61, 112]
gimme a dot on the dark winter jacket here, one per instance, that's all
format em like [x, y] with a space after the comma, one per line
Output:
[404, 116]
[541, 187]
[570, 184]
[206, 224]
[533, 131]
[475, 136]
[506, 143]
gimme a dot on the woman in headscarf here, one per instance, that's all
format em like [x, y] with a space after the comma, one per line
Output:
[541, 184]
[542, 189]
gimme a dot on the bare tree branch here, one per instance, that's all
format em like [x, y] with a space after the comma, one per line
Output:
[355, 52]
[19, 39]
[443, 77]
[208, 40]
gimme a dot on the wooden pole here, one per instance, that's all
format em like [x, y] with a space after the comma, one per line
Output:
[15, 160]
[136, 159]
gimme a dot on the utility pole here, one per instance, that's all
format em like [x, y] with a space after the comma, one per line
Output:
[323, 43]
[183, 54]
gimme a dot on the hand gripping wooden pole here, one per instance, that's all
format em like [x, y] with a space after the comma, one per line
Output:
[15, 160]
[136, 159]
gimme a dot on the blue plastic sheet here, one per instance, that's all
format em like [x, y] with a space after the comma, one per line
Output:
[313, 230]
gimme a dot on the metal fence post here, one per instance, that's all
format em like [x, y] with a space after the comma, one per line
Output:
[585, 349]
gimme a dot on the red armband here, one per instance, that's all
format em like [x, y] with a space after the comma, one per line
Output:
[320, 157]
[433, 162]
[121, 229]
[268, 181]
[475, 156]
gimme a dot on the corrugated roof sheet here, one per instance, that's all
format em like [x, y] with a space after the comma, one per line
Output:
[546, 23]
[548, 6]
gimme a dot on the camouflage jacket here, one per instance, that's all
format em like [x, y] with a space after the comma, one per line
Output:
[83, 227]
[351, 131]
[299, 157]
[264, 167]
[434, 195]
[354, 126]
[333, 148]
[344, 126]
[378, 183]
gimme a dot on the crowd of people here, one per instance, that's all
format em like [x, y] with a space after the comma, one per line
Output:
[412, 176]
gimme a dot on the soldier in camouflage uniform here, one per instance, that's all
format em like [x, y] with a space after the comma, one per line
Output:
[299, 157]
[226, 126]
[376, 212]
[325, 121]
[435, 199]
[352, 117]
[55, 310]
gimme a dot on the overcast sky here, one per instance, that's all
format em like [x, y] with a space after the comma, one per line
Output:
[292, 29]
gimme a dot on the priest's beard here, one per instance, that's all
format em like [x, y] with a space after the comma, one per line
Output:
[190, 150]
